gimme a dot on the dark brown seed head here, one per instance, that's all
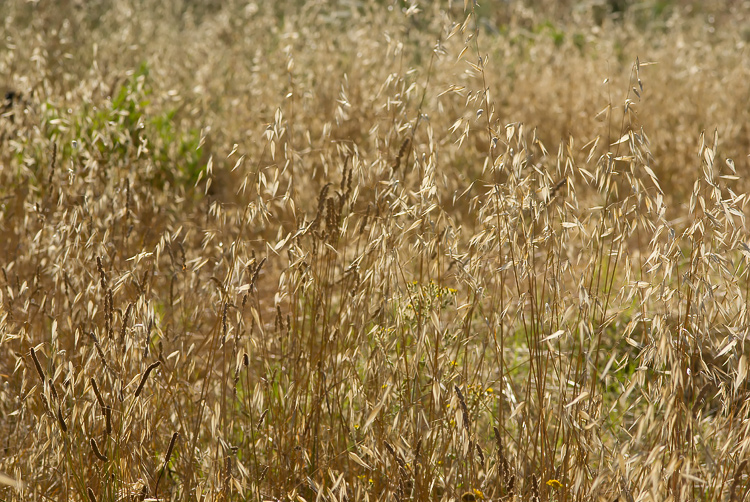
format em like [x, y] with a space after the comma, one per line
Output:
[38, 366]
[108, 417]
[97, 393]
[101, 272]
[145, 377]
[97, 452]
[171, 448]
[61, 419]
[125, 321]
[53, 388]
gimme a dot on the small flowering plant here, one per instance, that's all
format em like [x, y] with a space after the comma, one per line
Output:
[424, 298]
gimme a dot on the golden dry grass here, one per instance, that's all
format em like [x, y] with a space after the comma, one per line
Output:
[369, 251]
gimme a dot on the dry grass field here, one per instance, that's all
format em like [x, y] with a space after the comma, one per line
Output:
[394, 250]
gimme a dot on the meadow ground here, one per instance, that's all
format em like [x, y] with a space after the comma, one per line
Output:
[370, 251]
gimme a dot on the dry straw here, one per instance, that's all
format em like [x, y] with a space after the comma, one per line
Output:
[441, 266]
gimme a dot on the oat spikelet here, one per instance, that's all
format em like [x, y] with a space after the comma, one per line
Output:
[92, 497]
[145, 377]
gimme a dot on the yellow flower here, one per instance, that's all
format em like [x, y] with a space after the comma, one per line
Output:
[554, 483]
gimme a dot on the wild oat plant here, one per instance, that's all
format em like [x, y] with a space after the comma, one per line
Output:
[374, 251]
